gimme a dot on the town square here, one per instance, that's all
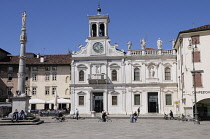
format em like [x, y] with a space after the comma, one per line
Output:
[104, 69]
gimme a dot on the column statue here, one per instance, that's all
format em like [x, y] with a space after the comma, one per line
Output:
[143, 44]
[129, 45]
[24, 19]
[159, 43]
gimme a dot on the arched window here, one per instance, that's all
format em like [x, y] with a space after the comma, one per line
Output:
[94, 30]
[136, 74]
[81, 75]
[114, 75]
[167, 73]
[101, 33]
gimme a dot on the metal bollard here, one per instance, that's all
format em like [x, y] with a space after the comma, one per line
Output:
[131, 118]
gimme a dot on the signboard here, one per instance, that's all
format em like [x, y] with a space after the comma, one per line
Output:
[176, 102]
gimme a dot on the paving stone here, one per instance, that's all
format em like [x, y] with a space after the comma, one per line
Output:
[117, 129]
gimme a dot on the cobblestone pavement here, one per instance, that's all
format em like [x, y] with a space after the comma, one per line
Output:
[117, 129]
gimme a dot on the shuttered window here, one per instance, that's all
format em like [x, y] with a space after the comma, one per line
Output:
[81, 75]
[198, 81]
[137, 99]
[81, 100]
[114, 75]
[136, 74]
[168, 99]
[195, 39]
[114, 100]
[196, 56]
[167, 73]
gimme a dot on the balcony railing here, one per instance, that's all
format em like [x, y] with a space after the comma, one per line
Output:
[97, 79]
[151, 52]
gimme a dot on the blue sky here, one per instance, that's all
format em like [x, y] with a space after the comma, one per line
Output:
[56, 26]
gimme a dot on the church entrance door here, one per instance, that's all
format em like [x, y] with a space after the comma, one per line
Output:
[153, 102]
[98, 101]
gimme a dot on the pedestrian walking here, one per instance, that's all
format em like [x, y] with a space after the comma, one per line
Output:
[77, 114]
[171, 115]
[138, 111]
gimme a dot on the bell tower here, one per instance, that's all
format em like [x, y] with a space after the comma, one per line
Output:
[98, 26]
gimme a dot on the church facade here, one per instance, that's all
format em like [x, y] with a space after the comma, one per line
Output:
[106, 78]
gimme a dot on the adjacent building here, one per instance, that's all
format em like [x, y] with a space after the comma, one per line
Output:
[46, 76]
[192, 48]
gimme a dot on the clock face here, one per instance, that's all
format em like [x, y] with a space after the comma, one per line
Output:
[98, 47]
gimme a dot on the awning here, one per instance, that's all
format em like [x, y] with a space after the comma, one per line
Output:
[60, 100]
[36, 101]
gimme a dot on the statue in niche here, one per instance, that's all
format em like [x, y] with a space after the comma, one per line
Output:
[152, 72]
[159, 43]
[143, 44]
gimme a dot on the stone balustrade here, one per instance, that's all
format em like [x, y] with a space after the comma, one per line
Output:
[152, 52]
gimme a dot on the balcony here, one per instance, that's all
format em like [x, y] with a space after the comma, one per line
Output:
[97, 79]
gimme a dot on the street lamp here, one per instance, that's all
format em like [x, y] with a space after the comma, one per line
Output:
[194, 81]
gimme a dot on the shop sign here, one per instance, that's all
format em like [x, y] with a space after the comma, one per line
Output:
[201, 92]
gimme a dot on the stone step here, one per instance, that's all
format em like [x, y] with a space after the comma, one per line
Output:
[21, 123]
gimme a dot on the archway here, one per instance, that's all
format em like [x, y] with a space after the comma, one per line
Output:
[203, 107]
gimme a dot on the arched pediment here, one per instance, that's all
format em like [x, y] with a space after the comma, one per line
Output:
[81, 67]
[167, 65]
[114, 93]
[136, 65]
[114, 66]
[136, 92]
[81, 93]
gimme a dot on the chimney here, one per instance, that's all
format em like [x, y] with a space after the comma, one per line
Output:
[42, 59]
[37, 55]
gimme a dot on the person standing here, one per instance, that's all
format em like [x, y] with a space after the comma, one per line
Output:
[171, 115]
[104, 116]
[138, 111]
[77, 114]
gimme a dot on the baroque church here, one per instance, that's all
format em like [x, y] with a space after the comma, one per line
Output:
[106, 78]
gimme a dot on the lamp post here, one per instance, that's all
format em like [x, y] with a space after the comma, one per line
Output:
[194, 81]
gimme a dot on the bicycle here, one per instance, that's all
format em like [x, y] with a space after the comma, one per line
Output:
[107, 120]
[60, 119]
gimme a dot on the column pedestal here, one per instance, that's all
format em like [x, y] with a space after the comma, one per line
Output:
[20, 103]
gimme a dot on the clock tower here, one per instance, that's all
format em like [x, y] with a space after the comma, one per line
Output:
[98, 33]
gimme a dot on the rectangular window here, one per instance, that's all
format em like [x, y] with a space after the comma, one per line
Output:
[168, 99]
[46, 106]
[195, 39]
[137, 99]
[81, 100]
[114, 100]
[33, 106]
[26, 77]
[10, 68]
[198, 81]
[47, 90]
[34, 77]
[54, 68]
[53, 90]
[27, 68]
[9, 91]
[54, 76]
[35, 69]
[9, 77]
[196, 56]
[47, 77]
[47, 68]
[34, 91]
[26, 91]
